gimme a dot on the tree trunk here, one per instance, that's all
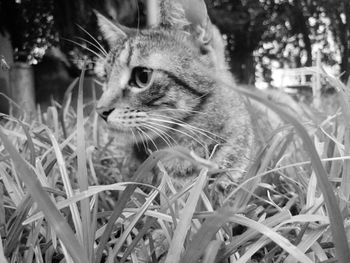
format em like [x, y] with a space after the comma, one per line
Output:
[304, 28]
[152, 13]
[243, 67]
[345, 58]
[22, 90]
[7, 52]
[344, 36]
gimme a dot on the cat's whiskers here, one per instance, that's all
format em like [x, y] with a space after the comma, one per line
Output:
[104, 52]
[189, 127]
[179, 131]
[86, 48]
[100, 47]
[168, 136]
[185, 126]
[84, 61]
[203, 96]
[134, 138]
[149, 137]
[142, 138]
[100, 83]
[188, 132]
[161, 134]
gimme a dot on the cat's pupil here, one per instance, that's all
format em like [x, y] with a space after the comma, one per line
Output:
[143, 76]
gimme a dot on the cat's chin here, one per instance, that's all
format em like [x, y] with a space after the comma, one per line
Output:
[131, 134]
[118, 130]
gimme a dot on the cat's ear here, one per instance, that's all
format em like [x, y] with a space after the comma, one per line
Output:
[190, 15]
[172, 15]
[110, 31]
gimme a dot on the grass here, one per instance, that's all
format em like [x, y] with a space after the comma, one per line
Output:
[65, 196]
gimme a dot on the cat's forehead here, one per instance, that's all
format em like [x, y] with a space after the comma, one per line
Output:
[152, 48]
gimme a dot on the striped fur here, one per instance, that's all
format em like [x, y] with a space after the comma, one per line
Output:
[182, 101]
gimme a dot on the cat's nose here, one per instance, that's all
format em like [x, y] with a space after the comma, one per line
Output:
[104, 112]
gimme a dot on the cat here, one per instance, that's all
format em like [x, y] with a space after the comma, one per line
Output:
[164, 86]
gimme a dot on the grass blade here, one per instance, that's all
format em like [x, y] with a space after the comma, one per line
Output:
[67, 185]
[141, 234]
[184, 225]
[251, 234]
[205, 235]
[93, 227]
[307, 242]
[132, 224]
[2, 212]
[82, 173]
[56, 220]
[16, 227]
[66, 101]
[2, 254]
[15, 192]
[212, 251]
[32, 242]
[336, 219]
[30, 143]
[116, 214]
[93, 190]
[273, 235]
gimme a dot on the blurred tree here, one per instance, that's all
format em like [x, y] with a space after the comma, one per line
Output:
[338, 13]
[243, 24]
[283, 33]
[286, 41]
[270, 30]
[299, 29]
[71, 16]
[30, 25]
[34, 26]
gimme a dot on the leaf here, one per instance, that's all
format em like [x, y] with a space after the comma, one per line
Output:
[67, 184]
[184, 225]
[82, 174]
[53, 216]
[204, 236]
[120, 205]
[271, 234]
[337, 226]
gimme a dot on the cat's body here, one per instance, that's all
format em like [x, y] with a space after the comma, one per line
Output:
[165, 87]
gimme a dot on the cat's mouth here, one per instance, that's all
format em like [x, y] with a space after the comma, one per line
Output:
[140, 126]
[122, 120]
[137, 130]
[124, 127]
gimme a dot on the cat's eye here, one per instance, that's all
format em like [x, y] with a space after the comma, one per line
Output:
[141, 77]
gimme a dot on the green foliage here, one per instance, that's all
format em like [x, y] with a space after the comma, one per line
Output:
[298, 29]
[35, 25]
[30, 25]
[278, 33]
[283, 33]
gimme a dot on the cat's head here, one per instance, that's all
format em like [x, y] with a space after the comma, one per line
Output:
[157, 77]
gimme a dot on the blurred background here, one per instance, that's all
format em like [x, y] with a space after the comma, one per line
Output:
[270, 43]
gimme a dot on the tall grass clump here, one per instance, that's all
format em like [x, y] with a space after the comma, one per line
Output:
[69, 194]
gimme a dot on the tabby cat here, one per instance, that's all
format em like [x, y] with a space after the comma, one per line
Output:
[164, 87]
